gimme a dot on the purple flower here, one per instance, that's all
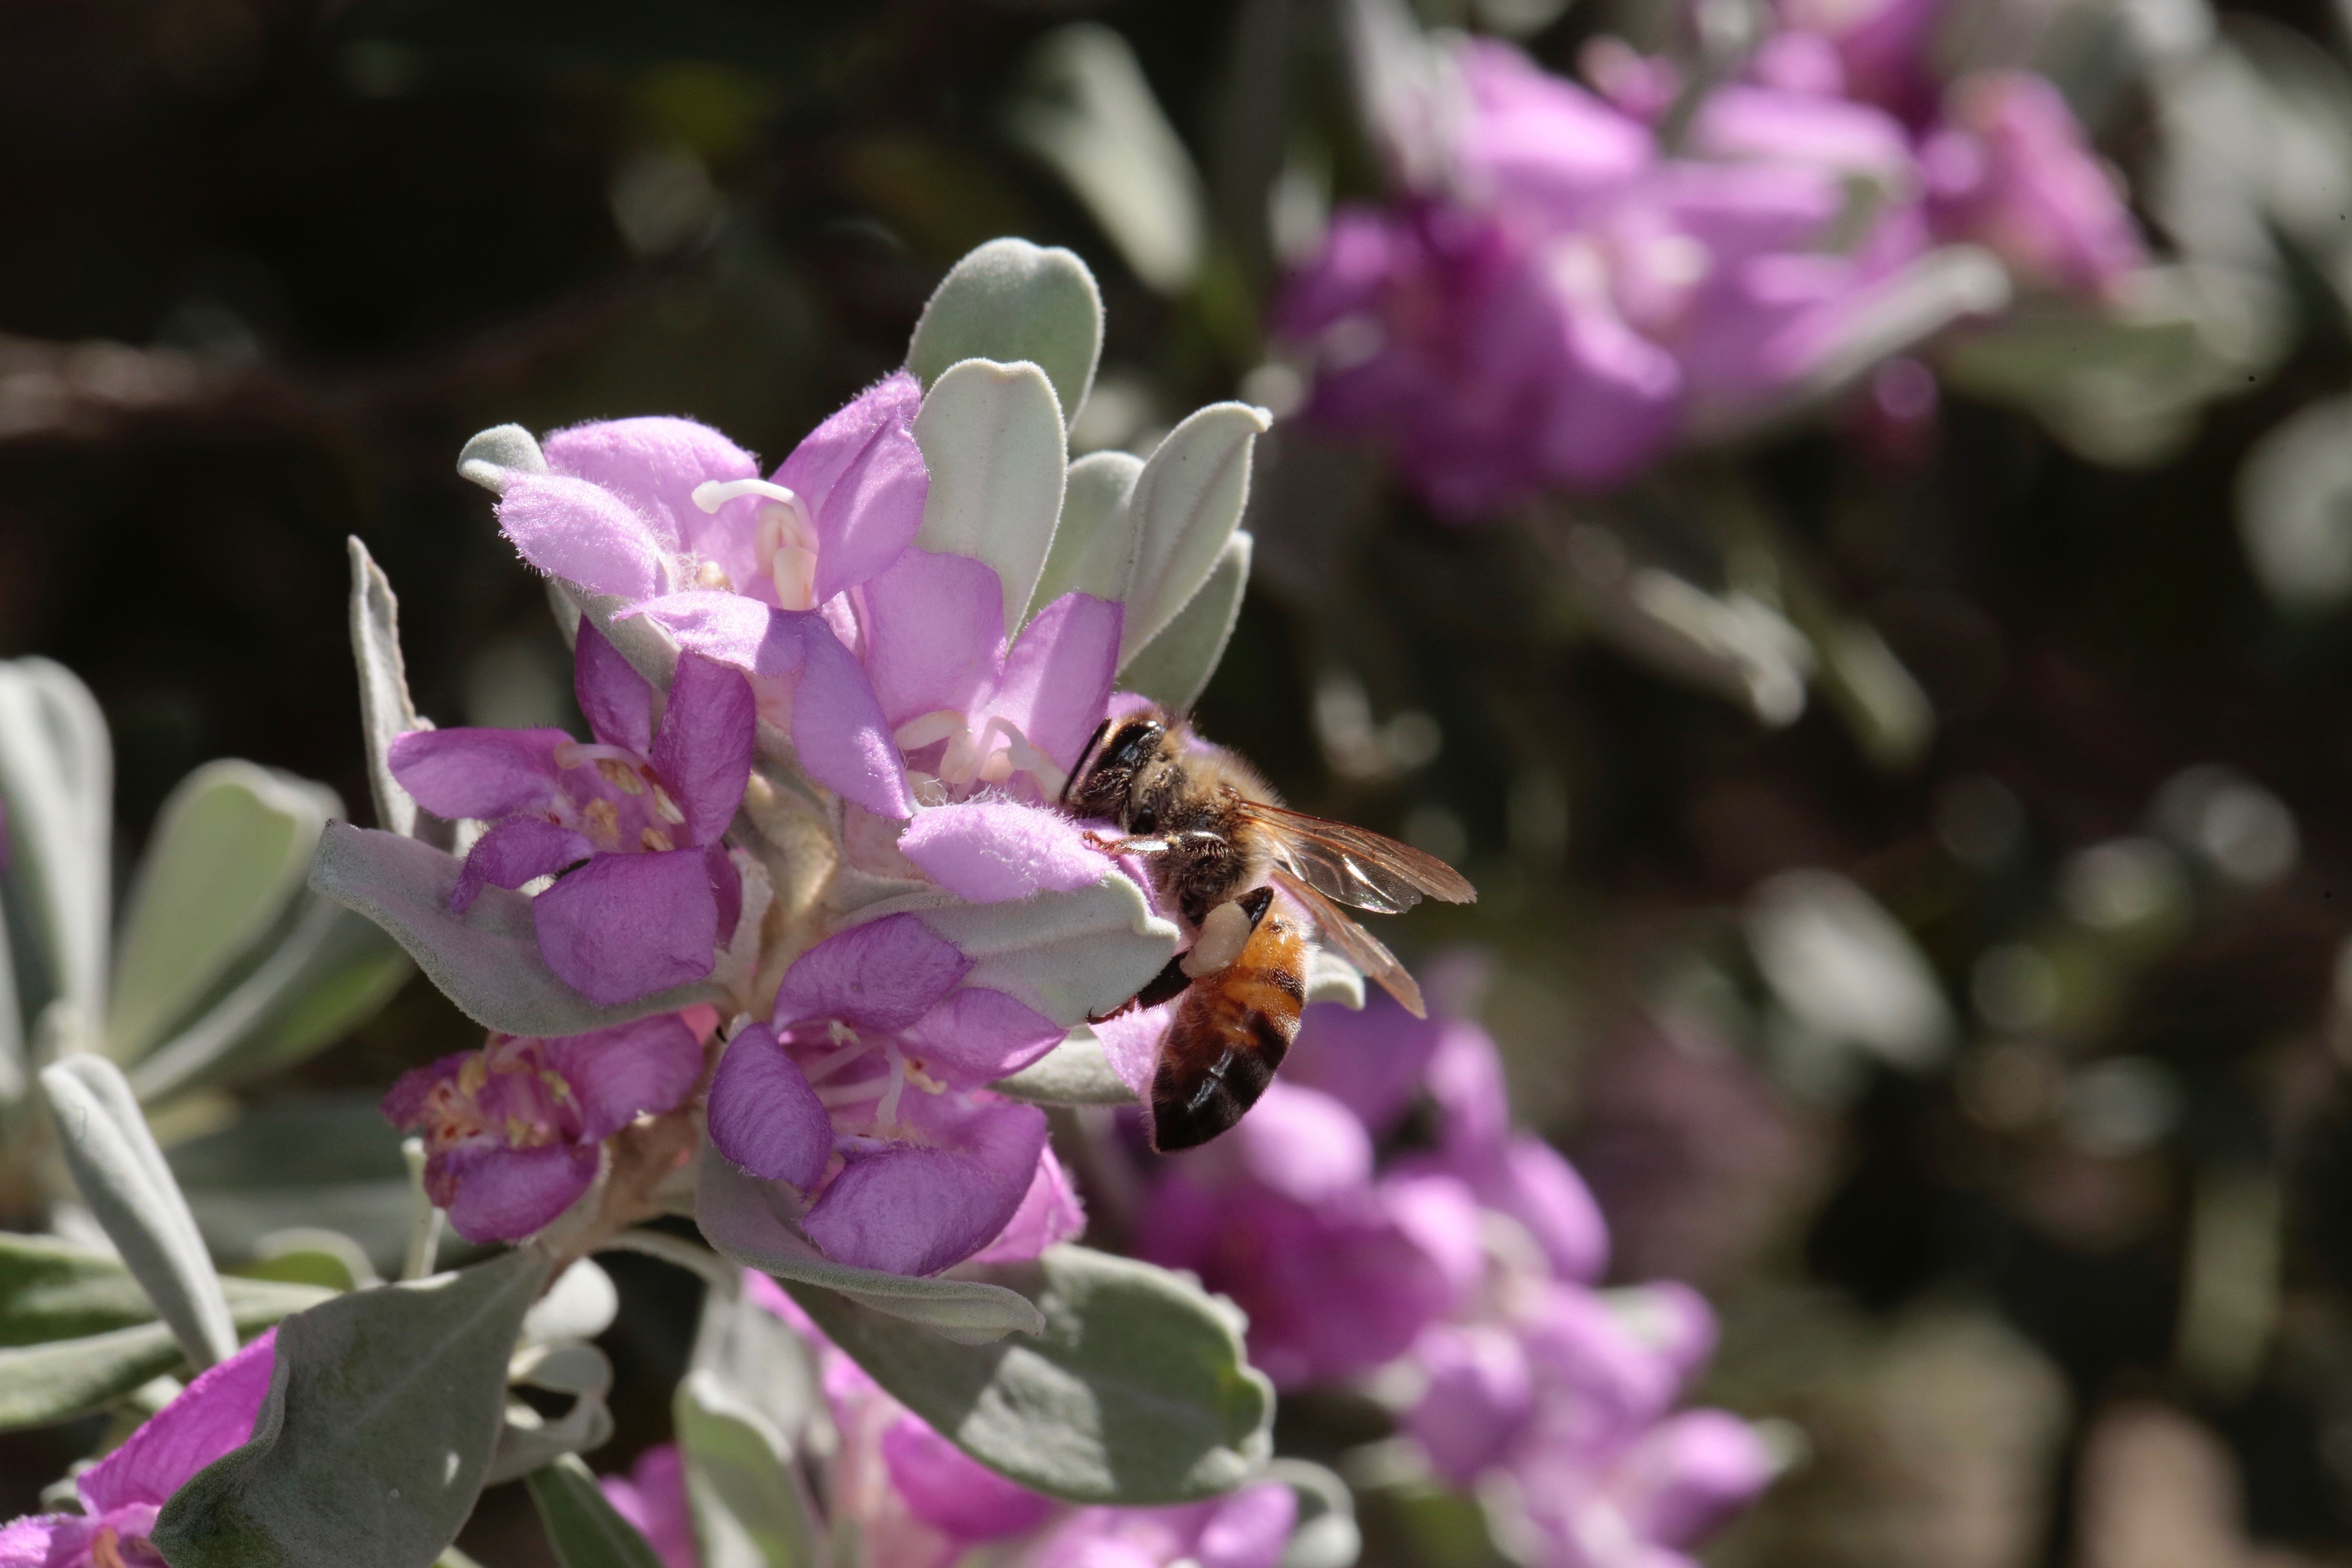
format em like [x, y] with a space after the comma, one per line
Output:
[122, 1493]
[1338, 1269]
[512, 1131]
[652, 1496]
[629, 826]
[864, 1096]
[667, 516]
[1247, 1529]
[2009, 169]
[1571, 301]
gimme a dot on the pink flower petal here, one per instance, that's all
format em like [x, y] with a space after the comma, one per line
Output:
[1057, 676]
[978, 1035]
[618, 701]
[621, 1073]
[1248, 1530]
[652, 465]
[1691, 1473]
[917, 1210]
[882, 975]
[504, 1194]
[574, 528]
[481, 773]
[518, 850]
[992, 851]
[26, 1542]
[653, 1499]
[404, 1103]
[841, 732]
[952, 1492]
[1049, 1214]
[704, 749]
[626, 926]
[765, 1117]
[862, 478]
[210, 1416]
[934, 634]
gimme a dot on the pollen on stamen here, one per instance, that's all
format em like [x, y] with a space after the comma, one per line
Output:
[654, 840]
[665, 808]
[712, 576]
[621, 775]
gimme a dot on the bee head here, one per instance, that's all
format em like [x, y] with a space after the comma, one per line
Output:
[1104, 783]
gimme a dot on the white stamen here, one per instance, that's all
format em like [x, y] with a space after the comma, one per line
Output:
[887, 1113]
[712, 494]
[925, 729]
[832, 1062]
[850, 1093]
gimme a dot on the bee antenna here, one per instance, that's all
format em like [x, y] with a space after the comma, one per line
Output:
[1078, 770]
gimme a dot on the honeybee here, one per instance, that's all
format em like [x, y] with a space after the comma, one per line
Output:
[1219, 843]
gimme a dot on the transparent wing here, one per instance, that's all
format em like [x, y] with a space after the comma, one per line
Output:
[1354, 866]
[1354, 943]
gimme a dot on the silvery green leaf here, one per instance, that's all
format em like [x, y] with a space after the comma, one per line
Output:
[581, 1527]
[57, 781]
[2295, 506]
[370, 1449]
[386, 712]
[1068, 955]
[528, 1440]
[1173, 668]
[761, 1360]
[57, 1380]
[309, 1254]
[1086, 111]
[121, 1175]
[991, 435]
[1094, 547]
[1075, 1072]
[15, 1065]
[749, 1506]
[333, 970]
[579, 1305]
[227, 856]
[489, 455]
[486, 960]
[1012, 300]
[1845, 970]
[747, 1220]
[452, 1558]
[53, 1290]
[1136, 1391]
[329, 1161]
[1187, 502]
[1324, 1535]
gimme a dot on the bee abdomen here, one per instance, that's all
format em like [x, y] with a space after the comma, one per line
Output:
[1230, 1035]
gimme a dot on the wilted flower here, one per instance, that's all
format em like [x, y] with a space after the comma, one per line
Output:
[864, 1096]
[512, 1131]
[628, 825]
[122, 1493]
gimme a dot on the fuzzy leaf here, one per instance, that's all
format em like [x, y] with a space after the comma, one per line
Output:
[584, 1529]
[1188, 501]
[57, 1380]
[1012, 300]
[57, 781]
[1136, 1391]
[1068, 955]
[386, 709]
[228, 855]
[1086, 111]
[992, 437]
[122, 1177]
[333, 970]
[486, 960]
[329, 1161]
[371, 1447]
[1075, 1072]
[1094, 547]
[1173, 668]
[746, 1496]
[740, 1215]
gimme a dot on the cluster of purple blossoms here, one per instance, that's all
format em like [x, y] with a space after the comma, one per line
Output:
[913, 1499]
[936, 716]
[1567, 295]
[122, 1493]
[1457, 1277]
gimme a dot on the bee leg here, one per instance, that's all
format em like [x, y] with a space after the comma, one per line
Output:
[1168, 984]
[1142, 846]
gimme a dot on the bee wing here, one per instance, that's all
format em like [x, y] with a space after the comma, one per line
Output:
[1357, 945]
[1356, 866]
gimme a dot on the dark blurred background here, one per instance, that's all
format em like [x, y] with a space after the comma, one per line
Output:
[2055, 1270]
